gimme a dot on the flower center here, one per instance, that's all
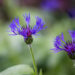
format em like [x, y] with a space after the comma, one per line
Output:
[70, 49]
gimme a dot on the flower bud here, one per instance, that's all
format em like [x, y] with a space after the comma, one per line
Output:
[29, 40]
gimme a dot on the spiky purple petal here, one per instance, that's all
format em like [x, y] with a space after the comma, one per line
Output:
[72, 34]
[27, 18]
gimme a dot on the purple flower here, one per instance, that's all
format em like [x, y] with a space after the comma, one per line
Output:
[27, 31]
[68, 46]
[71, 12]
[51, 4]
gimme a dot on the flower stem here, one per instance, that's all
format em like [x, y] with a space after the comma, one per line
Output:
[34, 64]
[73, 63]
[40, 72]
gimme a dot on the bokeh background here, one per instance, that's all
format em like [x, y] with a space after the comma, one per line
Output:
[59, 16]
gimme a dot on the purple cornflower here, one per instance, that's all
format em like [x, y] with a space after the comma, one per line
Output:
[68, 46]
[50, 4]
[27, 31]
[71, 12]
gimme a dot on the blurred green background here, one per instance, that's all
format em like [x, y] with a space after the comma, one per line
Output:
[14, 51]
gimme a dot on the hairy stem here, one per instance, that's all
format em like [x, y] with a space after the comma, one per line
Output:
[34, 64]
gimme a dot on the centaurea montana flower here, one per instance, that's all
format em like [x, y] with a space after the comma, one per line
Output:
[27, 31]
[71, 12]
[69, 46]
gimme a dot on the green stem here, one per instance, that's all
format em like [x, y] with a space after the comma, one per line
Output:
[73, 63]
[40, 72]
[34, 64]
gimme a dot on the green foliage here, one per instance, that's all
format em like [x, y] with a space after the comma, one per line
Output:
[18, 70]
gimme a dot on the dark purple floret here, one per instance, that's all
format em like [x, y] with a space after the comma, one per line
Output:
[68, 46]
[27, 31]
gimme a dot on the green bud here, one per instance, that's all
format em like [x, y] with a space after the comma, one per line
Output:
[72, 56]
[29, 40]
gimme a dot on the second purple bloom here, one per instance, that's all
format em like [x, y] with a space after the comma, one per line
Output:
[68, 46]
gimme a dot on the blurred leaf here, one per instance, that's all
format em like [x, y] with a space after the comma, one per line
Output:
[18, 70]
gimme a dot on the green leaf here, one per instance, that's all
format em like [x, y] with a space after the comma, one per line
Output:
[18, 70]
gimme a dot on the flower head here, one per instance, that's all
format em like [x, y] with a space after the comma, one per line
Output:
[27, 31]
[68, 46]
